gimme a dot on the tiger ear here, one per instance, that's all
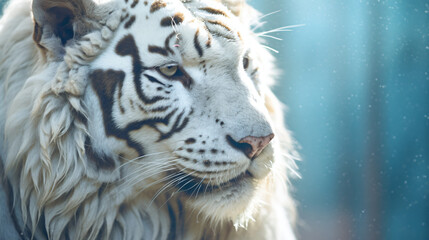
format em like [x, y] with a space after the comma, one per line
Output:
[56, 19]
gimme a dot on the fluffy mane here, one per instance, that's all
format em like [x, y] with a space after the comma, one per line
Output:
[57, 191]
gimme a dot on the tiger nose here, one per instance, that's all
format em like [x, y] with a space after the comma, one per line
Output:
[250, 145]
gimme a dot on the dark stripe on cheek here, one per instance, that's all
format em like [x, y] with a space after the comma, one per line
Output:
[154, 80]
[167, 42]
[219, 23]
[121, 108]
[100, 161]
[125, 17]
[130, 22]
[158, 50]
[169, 21]
[159, 109]
[197, 43]
[104, 83]
[135, 2]
[157, 5]
[209, 40]
[214, 11]
[127, 47]
[172, 233]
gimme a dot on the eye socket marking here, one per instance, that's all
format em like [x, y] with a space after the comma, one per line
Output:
[175, 73]
[169, 70]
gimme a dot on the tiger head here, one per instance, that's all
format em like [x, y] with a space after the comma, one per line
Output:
[173, 97]
[178, 94]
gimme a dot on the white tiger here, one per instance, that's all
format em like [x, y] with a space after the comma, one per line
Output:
[150, 119]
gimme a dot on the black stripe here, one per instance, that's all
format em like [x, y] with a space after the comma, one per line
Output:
[151, 122]
[158, 50]
[172, 233]
[159, 109]
[121, 108]
[181, 216]
[130, 22]
[104, 84]
[219, 23]
[197, 43]
[158, 4]
[175, 128]
[167, 42]
[135, 2]
[214, 11]
[154, 80]
[127, 47]
[100, 161]
[169, 21]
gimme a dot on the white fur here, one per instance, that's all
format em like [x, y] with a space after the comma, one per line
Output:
[42, 140]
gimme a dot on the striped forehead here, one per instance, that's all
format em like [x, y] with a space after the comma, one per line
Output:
[168, 28]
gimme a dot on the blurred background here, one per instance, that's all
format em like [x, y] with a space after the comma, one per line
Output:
[355, 79]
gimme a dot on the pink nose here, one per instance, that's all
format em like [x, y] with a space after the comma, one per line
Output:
[257, 144]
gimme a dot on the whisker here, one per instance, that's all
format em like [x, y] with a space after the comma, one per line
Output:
[168, 177]
[291, 156]
[268, 14]
[269, 36]
[151, 164]
[207, 185]
[178, 190]
[199, 187]
[168, 185]
[138, 158]
[258, 25]
[270, 48]
[137, 178]
[282, 29]
[140, 173]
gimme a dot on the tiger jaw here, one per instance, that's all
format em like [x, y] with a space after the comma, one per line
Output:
[195, 186]
[222, 176]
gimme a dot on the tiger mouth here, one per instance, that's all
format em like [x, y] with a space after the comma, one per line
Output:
[191, 185]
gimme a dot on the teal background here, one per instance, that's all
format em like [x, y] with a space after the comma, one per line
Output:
[356, 81]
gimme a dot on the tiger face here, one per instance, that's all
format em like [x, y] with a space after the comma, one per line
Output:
[177, 96]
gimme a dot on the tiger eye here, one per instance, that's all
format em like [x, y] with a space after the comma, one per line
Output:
[245, 62]
[169, 71]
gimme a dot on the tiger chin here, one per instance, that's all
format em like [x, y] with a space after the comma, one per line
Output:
[142, 119]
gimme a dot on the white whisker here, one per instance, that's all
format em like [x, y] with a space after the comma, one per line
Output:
[270, 48]
[199, 187]
[269, 36]
[138, 178]
[168, 185]
[281, 29]
[141, 173]
[258, 25]
[128, 161]
[268, 14]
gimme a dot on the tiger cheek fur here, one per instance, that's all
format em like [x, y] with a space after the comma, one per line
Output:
[174, 124]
